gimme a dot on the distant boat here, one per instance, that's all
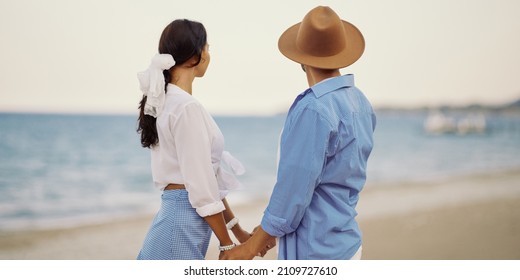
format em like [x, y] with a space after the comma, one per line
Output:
[473, 123]
[438, 123]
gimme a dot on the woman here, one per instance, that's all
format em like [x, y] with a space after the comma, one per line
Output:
[186, 151]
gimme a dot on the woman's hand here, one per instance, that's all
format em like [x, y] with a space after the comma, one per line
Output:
[240, 252]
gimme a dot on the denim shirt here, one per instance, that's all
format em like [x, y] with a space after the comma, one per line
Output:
[324, 148]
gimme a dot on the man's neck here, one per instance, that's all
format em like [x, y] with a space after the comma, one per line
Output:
[316, 75]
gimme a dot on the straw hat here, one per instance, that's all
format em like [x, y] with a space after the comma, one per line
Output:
[322, 40]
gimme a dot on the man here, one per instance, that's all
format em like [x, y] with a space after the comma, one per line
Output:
[324, 148]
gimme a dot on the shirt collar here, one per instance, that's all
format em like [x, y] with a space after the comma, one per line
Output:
[332, 84]
[326, 86]
[173, 88]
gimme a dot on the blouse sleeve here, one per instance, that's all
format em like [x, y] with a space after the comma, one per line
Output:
[193, 145]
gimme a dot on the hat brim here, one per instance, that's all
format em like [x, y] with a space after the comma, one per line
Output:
[353, 50]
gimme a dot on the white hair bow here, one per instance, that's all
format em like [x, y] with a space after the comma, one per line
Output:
[151, 82]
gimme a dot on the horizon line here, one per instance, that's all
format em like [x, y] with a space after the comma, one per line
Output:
[403, 107]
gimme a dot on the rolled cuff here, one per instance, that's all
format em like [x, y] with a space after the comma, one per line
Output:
[210, 209]
[275, 226]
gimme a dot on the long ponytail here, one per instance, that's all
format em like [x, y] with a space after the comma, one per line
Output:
[183, 39]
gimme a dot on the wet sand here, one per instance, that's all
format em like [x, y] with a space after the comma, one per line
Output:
[476, 217]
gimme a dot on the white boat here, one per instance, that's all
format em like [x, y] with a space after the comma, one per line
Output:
[473, 123]
[438, 123]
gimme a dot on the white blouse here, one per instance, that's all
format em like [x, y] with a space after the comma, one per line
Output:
[191, 152]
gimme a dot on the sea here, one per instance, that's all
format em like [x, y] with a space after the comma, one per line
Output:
[63, 170]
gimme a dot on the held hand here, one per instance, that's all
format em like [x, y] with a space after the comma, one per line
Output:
[240, 252]
[270, 243]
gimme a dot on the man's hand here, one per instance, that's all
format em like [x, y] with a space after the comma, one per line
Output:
[270, 243]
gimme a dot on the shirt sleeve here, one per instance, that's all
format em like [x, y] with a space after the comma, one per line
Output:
[302, 157]
[193, 145]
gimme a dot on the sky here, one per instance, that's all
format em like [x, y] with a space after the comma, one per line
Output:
[83, 56]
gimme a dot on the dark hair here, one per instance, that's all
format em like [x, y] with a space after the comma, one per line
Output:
[183, 39]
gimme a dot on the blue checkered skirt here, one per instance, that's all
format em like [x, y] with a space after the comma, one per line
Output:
[177, 231]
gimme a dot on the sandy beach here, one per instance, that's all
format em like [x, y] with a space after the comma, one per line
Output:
[474, 217]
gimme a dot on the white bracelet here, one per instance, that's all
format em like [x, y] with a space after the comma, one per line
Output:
[226, 248]
[232, 223]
